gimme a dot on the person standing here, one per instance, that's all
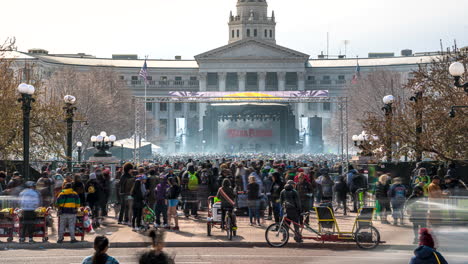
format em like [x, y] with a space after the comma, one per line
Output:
[341, 191]
[397, 195]
[138, 203]
[381, 194]
[253, 201]
[228, 197]
[45, 187]
[92, 198]
[101, 245]
[190, 180]
[305, 191]
[79, 188]
[161, 203]
[435, 194]
[172, 195]
[30, 200]
[276, 189]
[124, 194]
[422, 180]
[417, 209]
[68, 202]
[291, 203]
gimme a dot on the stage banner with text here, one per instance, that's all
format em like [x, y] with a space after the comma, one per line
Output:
[246, 96]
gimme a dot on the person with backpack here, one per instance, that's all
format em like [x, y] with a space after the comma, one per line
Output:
[305, 191]
[289, 199]
[358, 181]
[161, 203]
[190, 180]
[426, 253]
[92, 198]
[326, 184]
[172, 195]
[276, 189]
[397, 195]
[341, 192]
[228, 200]
[203, 186]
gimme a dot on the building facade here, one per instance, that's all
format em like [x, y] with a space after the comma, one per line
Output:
[250, 62]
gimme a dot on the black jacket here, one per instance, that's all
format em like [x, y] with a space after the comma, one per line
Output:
[381, 190]
[252, 191]
[173, 192]
[275, 190]
[289, 198]
[341, 190]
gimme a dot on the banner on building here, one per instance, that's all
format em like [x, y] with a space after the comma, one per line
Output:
[253, 95]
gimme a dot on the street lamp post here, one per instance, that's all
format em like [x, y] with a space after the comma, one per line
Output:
[69, 114]
[79, 145]
[103, 143]
[363, 142]
[26, 92]
[388, 100]
[418, 100]
[457, 69]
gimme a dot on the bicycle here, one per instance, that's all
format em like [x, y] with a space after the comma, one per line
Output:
[214, 219]
[364, 234]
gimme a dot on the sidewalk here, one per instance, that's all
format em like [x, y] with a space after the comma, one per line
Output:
[193, 234]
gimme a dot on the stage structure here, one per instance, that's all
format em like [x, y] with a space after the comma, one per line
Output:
[271, 108]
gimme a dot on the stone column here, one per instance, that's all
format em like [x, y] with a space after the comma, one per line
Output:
[202, 107]
[222, 81]
[241, 78]
[281, 81]
[171, 127]
[185, 109]
[301, 106]
[157, 117]
[262, 81]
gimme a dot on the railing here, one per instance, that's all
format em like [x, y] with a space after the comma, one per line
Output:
[271, 87]
[325, 82]
[340, 81]
[167, 83]
[311, 82]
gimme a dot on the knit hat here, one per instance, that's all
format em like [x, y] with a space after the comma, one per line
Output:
[92, 176]
[425, 238]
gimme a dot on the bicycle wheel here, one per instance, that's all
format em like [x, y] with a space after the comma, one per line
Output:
[229, 227]
[277, 236]
[367, 237]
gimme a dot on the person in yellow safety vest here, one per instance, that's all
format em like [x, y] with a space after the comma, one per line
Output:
[422, 180]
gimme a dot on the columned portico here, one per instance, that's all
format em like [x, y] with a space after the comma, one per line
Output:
[281, 81]
[262, 81]
[222, 81]
[201, 110]
[241, 77]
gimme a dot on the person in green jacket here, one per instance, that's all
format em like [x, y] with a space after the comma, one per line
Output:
[68, 202]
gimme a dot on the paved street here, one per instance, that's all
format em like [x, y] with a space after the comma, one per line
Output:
[228, 255]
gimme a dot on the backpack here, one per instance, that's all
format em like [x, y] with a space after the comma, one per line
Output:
[193, 181]
[358, 182]
[91, 189]
[204, 178]
[399, 192]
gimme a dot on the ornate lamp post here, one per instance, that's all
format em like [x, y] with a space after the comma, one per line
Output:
[388, 100]
[79, 145]
[26, 92]
[69, 114]
[457, 69]
[103, 143]
[362, 141]
[417, 98]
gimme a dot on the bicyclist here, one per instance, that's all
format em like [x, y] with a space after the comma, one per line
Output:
[228, 197]
[292, 206]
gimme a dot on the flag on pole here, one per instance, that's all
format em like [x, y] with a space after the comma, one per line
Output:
[144, 71]
[357, 74]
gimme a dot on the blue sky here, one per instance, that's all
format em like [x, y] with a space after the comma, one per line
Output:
[165, 28]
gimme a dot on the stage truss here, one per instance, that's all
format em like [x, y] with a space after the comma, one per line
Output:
[342, 102]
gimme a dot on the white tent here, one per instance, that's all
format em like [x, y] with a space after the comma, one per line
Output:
[130, 144]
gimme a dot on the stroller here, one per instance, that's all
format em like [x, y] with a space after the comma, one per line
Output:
[148, 217]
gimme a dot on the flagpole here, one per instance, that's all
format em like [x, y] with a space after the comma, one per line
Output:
[145, 101]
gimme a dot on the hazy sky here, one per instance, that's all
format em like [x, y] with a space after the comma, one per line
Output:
[164, 28]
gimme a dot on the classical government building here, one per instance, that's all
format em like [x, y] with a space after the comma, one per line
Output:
[252, 62]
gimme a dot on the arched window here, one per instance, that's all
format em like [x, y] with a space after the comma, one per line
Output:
[266, 33]
[255, 32]
[271, 33]
[232, 34]
[237, 33]
[248, 32]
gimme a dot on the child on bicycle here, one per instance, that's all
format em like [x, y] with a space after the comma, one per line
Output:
[228, 197]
